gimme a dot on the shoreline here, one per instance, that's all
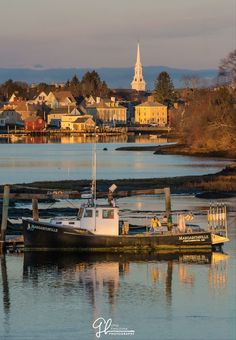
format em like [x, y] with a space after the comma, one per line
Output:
[221, 184]
[181, 149]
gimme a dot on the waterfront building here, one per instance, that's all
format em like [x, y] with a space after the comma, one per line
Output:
[151, 113]
[77, 123]
[108, 111]
[12, 118]
[55, 115]
[35, 123]
[138, 82]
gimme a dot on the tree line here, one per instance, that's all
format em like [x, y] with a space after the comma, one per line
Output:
[90, 84]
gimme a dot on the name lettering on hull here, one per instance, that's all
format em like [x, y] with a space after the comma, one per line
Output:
[194, 238]
[32, 227]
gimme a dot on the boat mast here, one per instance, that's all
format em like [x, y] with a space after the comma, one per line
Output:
[94, 178]
[94, 173]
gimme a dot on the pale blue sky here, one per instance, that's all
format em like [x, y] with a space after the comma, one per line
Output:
[104, 33]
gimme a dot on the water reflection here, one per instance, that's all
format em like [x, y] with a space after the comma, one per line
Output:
[79, 139]
[67, 292]
[102, 273]
[5, 286]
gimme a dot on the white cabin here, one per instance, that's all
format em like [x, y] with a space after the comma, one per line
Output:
[106, 221]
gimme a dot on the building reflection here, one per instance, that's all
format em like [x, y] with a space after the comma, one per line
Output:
[83, 138]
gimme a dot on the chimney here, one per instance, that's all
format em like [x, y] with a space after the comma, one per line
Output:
[98, 100]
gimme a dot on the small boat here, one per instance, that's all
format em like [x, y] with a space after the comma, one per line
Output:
[97, 228]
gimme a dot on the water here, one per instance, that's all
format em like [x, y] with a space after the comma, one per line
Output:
[167, 297]
[24, 163]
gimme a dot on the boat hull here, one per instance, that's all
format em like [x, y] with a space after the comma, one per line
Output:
[44, 236]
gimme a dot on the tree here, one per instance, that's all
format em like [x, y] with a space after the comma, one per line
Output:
[43, 87]
[10, 87]
[74, 86]
[209, 121]
[91, 84]
[227, 68]
[191, 81]
[164, 88]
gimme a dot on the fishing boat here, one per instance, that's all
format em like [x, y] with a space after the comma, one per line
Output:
[97, 228]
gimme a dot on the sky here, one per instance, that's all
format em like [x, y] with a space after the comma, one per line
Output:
[194, 34]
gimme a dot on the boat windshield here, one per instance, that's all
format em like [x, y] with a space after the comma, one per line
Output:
[80, 213]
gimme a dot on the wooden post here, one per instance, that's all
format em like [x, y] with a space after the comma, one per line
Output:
[5, 205]
[168, 208]
[167, 201]
[35, 209]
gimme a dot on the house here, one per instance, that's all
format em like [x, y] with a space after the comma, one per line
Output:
[35, 123]
[151, 112]
[108, 111]
[59, 99]
[55, 115]
[90, 100]
[12, 98]
[12, 118]
[78, 123]
[40, 98]
[25, 109]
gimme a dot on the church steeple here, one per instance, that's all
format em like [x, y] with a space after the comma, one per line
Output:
[138, 82]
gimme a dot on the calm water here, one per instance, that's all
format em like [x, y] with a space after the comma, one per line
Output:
[174, 297]
[36, 162]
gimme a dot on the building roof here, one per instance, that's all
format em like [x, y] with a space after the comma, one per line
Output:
[104, 103]
[63, 95]
[62, 110]
[152, 104]
[33, 119]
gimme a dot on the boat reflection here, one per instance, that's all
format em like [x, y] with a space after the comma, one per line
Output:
[153, 278]
[104, 272]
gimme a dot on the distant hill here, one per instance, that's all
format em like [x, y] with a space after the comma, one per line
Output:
[115, 77]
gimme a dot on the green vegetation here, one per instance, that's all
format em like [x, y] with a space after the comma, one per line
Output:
[90, 84]
[164, 88]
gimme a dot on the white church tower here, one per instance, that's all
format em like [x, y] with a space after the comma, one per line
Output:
[138, 82]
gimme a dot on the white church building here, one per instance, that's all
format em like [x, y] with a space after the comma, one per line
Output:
[138, 82]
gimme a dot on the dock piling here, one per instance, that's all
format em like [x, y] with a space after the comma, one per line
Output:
[167, 201]
[5, 205]
[35, 209]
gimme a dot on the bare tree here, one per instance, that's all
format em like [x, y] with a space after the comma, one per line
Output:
[227, 68]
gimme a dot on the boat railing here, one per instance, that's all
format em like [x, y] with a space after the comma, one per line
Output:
[217, 219]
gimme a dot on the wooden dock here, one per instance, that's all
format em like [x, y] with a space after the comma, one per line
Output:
[13, 243]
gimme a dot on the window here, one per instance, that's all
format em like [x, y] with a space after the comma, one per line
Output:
[88, 213]
[71, 222]
[108, 214]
